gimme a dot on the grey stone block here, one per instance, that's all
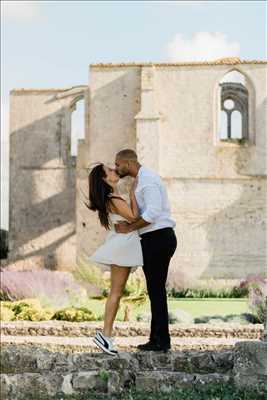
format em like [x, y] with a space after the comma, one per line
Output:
[89, 380]
[250, 365]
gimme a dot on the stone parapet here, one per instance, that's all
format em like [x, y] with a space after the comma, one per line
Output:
[41, 372]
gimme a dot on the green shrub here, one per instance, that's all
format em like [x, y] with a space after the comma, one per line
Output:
[6, 314]
[257, 301]
[28, 310]
[179, 316]
[34, 314]
[200, 293]
[75, 314]
[136, 285]
[31, 310]
[244, 318]
[20, 305]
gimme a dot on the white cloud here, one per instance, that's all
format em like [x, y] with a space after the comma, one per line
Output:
[20, 11]
[202, 46]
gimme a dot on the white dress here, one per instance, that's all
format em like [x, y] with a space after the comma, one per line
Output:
[122, 249]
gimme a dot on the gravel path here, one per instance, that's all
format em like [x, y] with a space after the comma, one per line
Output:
[122, 343]
[129, 329]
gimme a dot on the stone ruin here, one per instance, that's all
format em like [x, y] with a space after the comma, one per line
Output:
[171, 113]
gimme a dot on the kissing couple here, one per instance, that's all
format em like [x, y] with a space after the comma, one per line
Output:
[140, 234]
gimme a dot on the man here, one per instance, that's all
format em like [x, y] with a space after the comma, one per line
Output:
[158, 241]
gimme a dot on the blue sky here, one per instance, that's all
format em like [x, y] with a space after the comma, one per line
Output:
[51, 44]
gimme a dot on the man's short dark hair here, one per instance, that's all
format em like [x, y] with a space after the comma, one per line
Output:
[127, 154]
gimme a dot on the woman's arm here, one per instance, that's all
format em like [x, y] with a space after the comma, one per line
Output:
[120, 206]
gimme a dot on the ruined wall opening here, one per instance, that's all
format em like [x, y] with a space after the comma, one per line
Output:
[77, 125]
[234, 107]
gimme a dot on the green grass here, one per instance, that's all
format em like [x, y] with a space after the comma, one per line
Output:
[195, 307]
[198, 307]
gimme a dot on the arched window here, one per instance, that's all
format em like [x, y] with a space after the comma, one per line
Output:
[77, 125]
[236, 124]
[234, 111]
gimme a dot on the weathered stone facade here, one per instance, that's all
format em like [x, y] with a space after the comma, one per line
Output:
[169, 114]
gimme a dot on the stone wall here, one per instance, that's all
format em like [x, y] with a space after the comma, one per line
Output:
[42, 230]
[169, 114]
[217, 190]
[41, 372]
[30, 370]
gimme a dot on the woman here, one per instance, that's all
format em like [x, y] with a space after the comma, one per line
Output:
[121, 252]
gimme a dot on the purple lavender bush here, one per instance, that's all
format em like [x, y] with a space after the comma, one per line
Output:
[52, 288]
[257, 287]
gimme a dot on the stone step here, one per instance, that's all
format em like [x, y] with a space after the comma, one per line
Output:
[129, 329]
[168, 381]
[16, 358]
[122, 343]
[49, 385]
[33, 369]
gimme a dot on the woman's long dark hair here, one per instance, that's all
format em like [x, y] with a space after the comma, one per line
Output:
[99, 192]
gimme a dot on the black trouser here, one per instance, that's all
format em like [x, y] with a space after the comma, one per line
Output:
[158, 247]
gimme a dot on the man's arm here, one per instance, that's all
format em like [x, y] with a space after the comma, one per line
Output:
[125, 227]
[152, 198]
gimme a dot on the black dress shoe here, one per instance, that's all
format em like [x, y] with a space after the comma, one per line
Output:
[150, 346]
[145, 345]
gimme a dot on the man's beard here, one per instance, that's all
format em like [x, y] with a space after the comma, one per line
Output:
[122, 175]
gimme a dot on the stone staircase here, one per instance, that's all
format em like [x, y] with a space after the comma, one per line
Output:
[59, 358]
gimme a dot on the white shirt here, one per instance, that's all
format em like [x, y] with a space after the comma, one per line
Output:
[152, 200]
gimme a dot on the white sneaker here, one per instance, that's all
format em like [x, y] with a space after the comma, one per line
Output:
[105, 343]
